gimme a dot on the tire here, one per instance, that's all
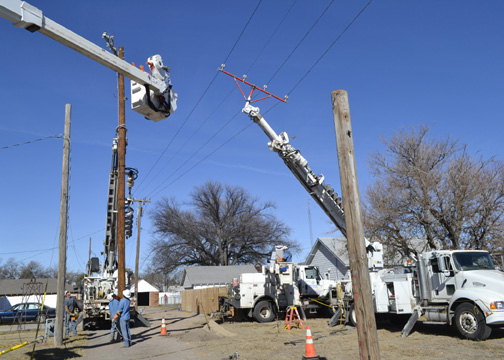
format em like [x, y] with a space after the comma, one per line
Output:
[264, 312]
[470, 322]
[352, 316]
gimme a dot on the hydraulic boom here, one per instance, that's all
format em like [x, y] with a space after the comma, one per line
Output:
[151, 94]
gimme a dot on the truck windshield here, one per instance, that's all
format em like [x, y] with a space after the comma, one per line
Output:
[473, 261]
[312, 273]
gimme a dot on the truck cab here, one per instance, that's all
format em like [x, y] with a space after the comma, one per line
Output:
[311, 283]
[462, 287]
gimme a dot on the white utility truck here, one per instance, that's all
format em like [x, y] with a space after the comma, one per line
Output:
[458, 287]
[447, 287]
[278, 286]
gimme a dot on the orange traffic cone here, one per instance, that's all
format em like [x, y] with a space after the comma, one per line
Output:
[310, 349]
[163, 327]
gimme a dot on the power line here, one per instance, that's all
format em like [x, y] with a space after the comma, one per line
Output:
[201, 97]
[300, 41]
[243, 30]
[271, 37]
[57, 136]
[330, 46]
[188, 139]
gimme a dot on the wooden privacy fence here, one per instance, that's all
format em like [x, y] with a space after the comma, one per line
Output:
[202, 301]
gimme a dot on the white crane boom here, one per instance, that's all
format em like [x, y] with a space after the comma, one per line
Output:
[161, 101]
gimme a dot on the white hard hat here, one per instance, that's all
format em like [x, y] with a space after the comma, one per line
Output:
[127, 293]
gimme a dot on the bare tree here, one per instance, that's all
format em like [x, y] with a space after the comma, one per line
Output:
[434, 190]
[10, 270]
[223, 226]
[33, 270]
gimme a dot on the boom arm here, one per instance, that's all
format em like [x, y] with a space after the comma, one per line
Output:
[323, 195]
[26, 16]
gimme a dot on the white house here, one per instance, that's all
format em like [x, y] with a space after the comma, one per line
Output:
[148, 295]
[331, 257]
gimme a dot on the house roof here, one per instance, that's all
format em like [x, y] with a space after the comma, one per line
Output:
[144, 286]
[210, 275]
[336, 246]
[22, 286]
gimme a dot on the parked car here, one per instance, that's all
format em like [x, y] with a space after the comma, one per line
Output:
[27, 312]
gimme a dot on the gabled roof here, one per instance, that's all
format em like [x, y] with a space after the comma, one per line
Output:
[144, 286]
[15, 286]
[213, 275]
[336, 246]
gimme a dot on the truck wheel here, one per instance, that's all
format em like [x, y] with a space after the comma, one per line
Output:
[263, 312]
[352, 316]
[470, 322]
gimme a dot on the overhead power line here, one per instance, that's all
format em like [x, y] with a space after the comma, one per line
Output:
[201, 97]
[330, 46]
[300, 41]
[57, 136]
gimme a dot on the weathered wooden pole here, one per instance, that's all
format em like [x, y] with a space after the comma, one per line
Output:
[361, 284]
[60, 297]
[121, 191]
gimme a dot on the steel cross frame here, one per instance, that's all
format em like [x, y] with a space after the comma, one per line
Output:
[252, 88]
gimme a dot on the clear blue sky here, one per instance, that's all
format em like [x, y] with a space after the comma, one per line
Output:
[403, 63]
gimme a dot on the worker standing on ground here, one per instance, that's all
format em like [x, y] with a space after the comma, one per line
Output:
[124, 312]
[113, 306]
[70, 307]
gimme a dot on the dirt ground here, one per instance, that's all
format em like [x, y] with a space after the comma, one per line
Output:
[192, 336]
[252, 340]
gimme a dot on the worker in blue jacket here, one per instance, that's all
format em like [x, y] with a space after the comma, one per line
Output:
[124, 312]
[113, 306]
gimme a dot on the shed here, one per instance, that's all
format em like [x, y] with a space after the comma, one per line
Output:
[148, 295]
[331, 256]
[198, 277]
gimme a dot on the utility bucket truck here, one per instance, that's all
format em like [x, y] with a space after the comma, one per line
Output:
[277, 287]
[449, 287]
[151, 93]
[95, 288]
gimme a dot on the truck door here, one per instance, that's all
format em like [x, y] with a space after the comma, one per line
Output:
[442, 280]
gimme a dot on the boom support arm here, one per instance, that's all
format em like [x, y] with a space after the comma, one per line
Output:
[323, 195]
[26, 16]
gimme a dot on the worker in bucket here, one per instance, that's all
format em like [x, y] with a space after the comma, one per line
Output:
[113, 306]
[70, 314]
[124, 312]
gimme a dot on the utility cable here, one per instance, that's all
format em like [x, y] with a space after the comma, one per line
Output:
[196, 152]
[201, 97]
[243, 30]
[204, 158]
[57, 136]
[299, 43]
[271, 37]
[190, 137]
[330, 46]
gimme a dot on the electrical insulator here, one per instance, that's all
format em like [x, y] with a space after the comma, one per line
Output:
[131, 179]
[128, 222]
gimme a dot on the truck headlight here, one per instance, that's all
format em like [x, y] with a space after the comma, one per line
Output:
[497, 305]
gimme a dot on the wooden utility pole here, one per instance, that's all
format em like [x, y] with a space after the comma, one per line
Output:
[121, 159]
[361, 284]
[60, 298]
[139, 225]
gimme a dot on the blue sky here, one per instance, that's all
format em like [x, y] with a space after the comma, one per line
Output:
[403, 63]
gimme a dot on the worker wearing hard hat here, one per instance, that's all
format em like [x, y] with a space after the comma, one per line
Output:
[113, 306]
[70, 314]
[124, 312]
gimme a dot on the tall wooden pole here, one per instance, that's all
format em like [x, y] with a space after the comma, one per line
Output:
[121, 158]
[139, 225]
[361, 284]
[60, 297]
